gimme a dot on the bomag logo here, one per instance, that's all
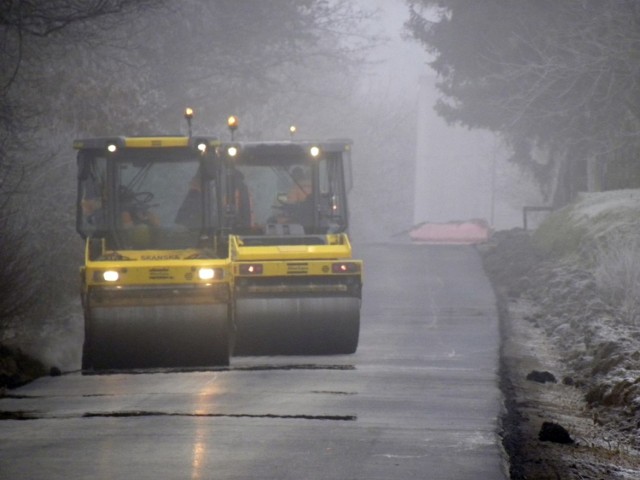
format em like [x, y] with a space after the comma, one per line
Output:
[160, 257]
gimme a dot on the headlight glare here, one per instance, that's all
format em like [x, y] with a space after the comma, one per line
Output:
[206, 273]
[110, 276]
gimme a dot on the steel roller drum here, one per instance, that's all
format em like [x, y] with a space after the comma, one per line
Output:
[157, 336]
[297, 326]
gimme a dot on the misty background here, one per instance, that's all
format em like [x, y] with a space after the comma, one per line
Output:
[458, 109]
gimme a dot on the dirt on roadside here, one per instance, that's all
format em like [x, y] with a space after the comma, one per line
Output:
[17, 368]
[558, 423]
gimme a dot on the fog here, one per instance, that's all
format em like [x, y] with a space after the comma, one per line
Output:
[463, 174]
[451, 172]
[133, 71]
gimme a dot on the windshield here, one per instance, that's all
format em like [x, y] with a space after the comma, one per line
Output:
[146, 199]
[302, 197]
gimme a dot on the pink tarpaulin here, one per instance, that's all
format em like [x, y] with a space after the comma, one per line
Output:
[463, 233]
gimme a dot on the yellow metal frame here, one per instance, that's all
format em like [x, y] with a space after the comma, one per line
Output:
[294, 260]
[170, 267]
[337, 247]
[141, 142]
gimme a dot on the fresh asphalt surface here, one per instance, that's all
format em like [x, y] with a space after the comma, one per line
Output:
[419, 399]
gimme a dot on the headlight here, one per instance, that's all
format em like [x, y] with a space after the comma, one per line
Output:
[110, 276]
[314, 151]
[206, 274]
[232, 151]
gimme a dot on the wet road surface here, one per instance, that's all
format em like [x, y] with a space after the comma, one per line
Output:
[419, 399]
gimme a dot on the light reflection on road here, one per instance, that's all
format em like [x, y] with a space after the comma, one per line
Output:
[199, 449]
[106, 459]
[204, 404]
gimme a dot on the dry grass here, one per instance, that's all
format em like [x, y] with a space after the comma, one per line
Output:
[617, 276]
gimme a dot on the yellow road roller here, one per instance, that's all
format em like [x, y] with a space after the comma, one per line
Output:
[156, 280]
[296, 288]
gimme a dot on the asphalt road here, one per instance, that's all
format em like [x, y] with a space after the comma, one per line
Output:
[419, 399]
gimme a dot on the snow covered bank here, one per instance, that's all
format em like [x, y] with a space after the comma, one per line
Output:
[587, 296]
[593, 218]
[570, 290]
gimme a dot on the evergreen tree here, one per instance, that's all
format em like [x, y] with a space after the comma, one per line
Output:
[557, 77]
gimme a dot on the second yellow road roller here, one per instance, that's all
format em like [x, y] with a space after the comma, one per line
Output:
[297, 289]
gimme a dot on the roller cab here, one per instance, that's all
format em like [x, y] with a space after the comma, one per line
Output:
[156, 280]
[296, 288]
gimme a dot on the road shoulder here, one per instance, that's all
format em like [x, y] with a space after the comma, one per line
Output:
[550, 396]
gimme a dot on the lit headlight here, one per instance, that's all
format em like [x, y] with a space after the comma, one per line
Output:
[206, 273]
[202, 147]
[110, 276]
[314, 151]
[232, 151]
[112, 148]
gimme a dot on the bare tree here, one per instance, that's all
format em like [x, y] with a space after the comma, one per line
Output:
[85, 68]
[25, 27]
